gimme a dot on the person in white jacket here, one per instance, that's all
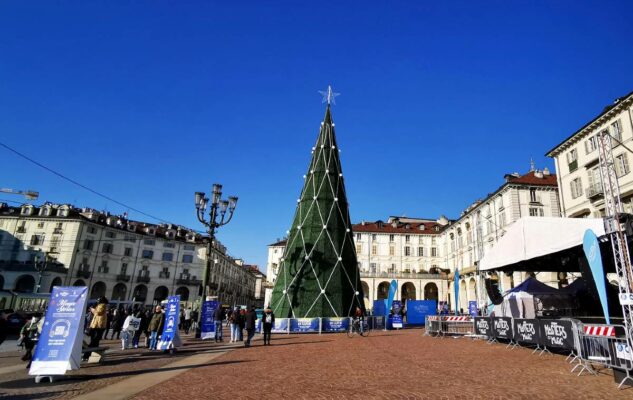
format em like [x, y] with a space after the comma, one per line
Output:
[129, 328]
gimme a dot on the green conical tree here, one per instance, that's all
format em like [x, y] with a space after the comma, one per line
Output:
[319, 275]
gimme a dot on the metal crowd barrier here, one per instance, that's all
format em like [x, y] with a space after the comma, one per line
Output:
[606, 346]
[432, 325]
[436, 325]
[456, 325]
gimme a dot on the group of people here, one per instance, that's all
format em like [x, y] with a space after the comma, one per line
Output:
[238, 320]
[128, 325]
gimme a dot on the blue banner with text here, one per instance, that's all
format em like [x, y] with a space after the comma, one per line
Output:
[304, 325]
[59, 346]
[207, 325]
[169, 338]
[280, 326]
[417, 310]
[335, 324]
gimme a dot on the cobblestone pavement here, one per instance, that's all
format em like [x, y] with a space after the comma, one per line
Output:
[16, 384]
[386, 365]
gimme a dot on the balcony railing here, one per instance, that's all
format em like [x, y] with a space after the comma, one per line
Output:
[401, 275]
[123, 277]
[163, 274]
[21, 229]
[142, 278]
[82, 273]
[58, 231]
[103, 270]
[188, 280]
[595, 190]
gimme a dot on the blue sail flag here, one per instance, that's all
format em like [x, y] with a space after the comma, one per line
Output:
[456, 284]
[393, 289]
[591, 248]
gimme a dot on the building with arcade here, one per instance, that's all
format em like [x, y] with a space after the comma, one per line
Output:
[116, 257]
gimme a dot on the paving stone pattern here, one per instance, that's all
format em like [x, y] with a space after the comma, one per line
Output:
[386, 365]
[119, 365]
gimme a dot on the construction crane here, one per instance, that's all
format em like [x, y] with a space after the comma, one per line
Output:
[613, 228]
[29, 194]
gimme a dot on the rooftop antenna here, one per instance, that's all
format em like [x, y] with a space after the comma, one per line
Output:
[532, 166]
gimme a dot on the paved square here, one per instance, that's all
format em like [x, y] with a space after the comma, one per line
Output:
[395, 364]
[401, 364]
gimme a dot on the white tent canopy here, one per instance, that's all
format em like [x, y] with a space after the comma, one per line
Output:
[531, 237]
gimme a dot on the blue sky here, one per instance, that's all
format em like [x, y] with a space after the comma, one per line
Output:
[149, 101]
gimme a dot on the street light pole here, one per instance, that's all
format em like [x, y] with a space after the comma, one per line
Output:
[218, 209]
[40, 267]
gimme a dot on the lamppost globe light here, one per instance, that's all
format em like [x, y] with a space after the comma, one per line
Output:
[224, 204]
[232, 202]
[217, 192]
[199, 198]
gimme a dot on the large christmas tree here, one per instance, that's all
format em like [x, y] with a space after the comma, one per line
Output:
[319, 276]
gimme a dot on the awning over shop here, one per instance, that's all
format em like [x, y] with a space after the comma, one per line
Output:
[533, 237]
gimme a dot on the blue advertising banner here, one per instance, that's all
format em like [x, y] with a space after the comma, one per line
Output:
[380, 308]
[207, 326]
[170, 339]
[396, 318]
[335, 324]
[304, 325]
[59, 347]
[280, 325]
[472, 308]
[456, 287]
[417, 310]
[591, 248]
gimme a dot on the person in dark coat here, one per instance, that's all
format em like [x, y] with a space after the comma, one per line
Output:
[117, 323]
[250, 320]
[218, 318]
[156, 327]
[268, 321]
[148, 316]
[4, 326]
[240, 330]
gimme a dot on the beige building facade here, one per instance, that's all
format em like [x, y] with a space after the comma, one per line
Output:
[124, 260]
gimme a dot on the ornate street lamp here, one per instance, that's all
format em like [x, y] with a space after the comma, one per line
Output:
[40, 267]
[218, 210]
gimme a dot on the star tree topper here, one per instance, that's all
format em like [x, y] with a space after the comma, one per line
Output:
[328, 95]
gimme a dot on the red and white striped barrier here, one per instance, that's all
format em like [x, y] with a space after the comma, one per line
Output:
[465, 319]
[433, 317]
[599, 330]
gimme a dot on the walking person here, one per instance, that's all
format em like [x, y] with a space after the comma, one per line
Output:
[268, 321]
[142, 327]
[108, 322]
[250, 320]
[117, 323]
[234, 319]
[148, 317]
[156, 327]
[218, 318]
[240, 329]
[97, 324]
[4, 326]
[187, 320]
[129, 328]
[29, 334]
